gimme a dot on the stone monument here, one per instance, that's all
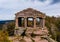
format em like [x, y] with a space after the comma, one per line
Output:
[31, 24]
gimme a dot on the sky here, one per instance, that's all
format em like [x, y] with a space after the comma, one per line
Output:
[8, 8]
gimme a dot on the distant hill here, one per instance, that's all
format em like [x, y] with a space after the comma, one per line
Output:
[5, 21]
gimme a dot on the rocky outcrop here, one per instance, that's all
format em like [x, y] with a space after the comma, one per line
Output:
[34, 35]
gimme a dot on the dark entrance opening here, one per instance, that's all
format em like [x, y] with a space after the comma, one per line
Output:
[21, 22]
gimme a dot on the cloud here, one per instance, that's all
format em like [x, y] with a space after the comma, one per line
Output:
[55, 1]
[18, 3]
[9, 7]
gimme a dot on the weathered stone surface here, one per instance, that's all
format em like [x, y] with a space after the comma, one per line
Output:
[35, 39]
[27, 39]
[30, 13]
[19, 31]
[37, 31]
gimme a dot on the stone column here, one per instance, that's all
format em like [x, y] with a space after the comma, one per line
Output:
[16, 26]
[25, 22]
[16, 22]
[34, 22]
[43, 22]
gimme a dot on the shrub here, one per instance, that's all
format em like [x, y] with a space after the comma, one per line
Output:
[4, 36]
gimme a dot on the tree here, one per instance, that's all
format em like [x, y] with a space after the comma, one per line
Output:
[10, 28]
[53, 31]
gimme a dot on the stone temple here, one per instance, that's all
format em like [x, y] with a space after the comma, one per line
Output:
[31, 22]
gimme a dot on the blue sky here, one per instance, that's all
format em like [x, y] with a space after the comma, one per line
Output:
[8, 8]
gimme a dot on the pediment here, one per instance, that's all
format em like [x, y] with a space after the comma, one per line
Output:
[30, 12]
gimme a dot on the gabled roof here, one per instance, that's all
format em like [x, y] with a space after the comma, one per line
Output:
[30, 10]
